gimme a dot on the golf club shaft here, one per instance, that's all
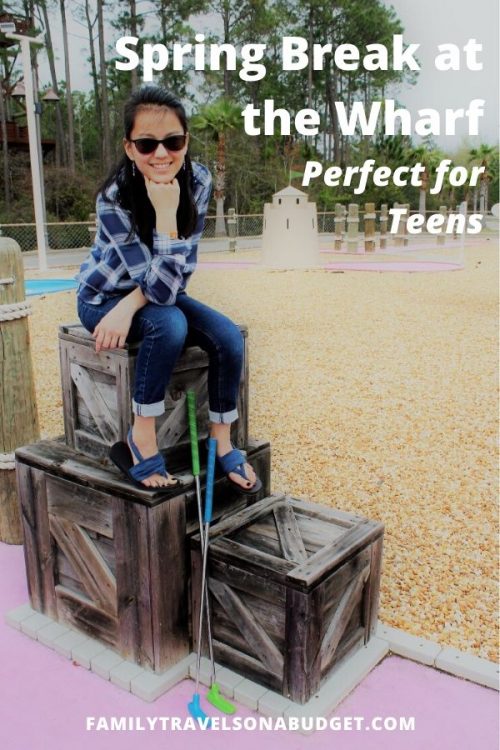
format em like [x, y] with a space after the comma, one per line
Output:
[205, 593]
[202, 602]
[209, 485]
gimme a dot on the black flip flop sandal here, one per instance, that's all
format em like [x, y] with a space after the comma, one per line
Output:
[234, 461]
[121, 455]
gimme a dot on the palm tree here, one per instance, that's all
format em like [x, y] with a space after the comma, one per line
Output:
[216, 120]
[482, 156]
[429, 156]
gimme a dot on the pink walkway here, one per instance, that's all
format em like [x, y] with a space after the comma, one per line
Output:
[45, 699]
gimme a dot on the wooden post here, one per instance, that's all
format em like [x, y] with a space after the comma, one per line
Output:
[405, 224]
[399, 236]
[352, 228]
[370, 227]
[18, 413]
[231, 228]
[441, 237]
[455, 226]
[339, 226]
[383, 225]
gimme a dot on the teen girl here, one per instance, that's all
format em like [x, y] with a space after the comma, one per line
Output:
[132, 286]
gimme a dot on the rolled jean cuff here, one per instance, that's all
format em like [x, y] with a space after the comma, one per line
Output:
[224, 417]
[148, 410]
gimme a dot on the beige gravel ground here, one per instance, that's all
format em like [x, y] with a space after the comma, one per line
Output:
[378, 392]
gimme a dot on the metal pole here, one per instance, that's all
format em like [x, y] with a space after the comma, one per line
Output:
[36, 168]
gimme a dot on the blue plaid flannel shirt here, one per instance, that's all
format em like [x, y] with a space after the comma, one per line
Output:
[117, 263]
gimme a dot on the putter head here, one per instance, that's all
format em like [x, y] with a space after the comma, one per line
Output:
[218, 701]
[197, 712]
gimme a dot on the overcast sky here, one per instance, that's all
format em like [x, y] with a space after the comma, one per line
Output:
[426, 22]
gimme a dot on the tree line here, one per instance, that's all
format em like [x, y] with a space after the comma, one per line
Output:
[87, 125]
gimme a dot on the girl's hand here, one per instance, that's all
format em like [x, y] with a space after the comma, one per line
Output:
[164, 196]
[112, 331]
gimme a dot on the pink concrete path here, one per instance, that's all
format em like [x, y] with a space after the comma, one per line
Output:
[45, 699]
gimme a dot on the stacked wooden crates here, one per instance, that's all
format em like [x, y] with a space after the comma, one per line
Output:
[102, 554]
[293, 586]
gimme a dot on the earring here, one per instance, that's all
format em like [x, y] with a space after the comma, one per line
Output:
[184, 164]
[133, 169]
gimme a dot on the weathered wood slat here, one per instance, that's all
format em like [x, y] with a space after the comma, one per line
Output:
[80, 505]
[196, 573]
[336, 584]
[269, 616]
[169, 582]
[246, 666]
[263, 589]
[243, 519]
[61, 459]
[86, 421]
[176, 423]
[95, 402]
[239, 429]
[64, 567]
[325, 513]
[304, 620]
[44, 542]
[38, 549]
[89, 442]
[68, 393]
[224, 630]
[106, 547]
[76, 333]
[259, 563]
[315, 534]
[125, 376]
[372, 598]
[320, 564]
[79, 613]
[104, 362]
[342, 616]
[225, 502]
[71, 584]
[290, 538]
[349, 644]
[133, 579]
[87, 562]
[251, 538]
[67, 577]
[256, 637]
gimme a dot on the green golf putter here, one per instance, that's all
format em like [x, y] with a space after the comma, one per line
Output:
[213, 695]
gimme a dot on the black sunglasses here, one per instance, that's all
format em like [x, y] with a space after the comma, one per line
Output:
[149, 145]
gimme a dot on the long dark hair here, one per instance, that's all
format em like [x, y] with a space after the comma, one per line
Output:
[132, 194]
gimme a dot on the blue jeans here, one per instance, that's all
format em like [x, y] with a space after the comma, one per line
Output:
[164, 331]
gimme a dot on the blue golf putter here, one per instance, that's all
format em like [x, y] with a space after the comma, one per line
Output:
[214, 694]
[194, 707]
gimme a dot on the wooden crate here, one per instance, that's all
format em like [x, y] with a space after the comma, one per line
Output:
[294, 588]
[111, 559]
[97, 396]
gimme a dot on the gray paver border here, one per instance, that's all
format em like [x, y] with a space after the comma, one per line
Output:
[147, 685]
